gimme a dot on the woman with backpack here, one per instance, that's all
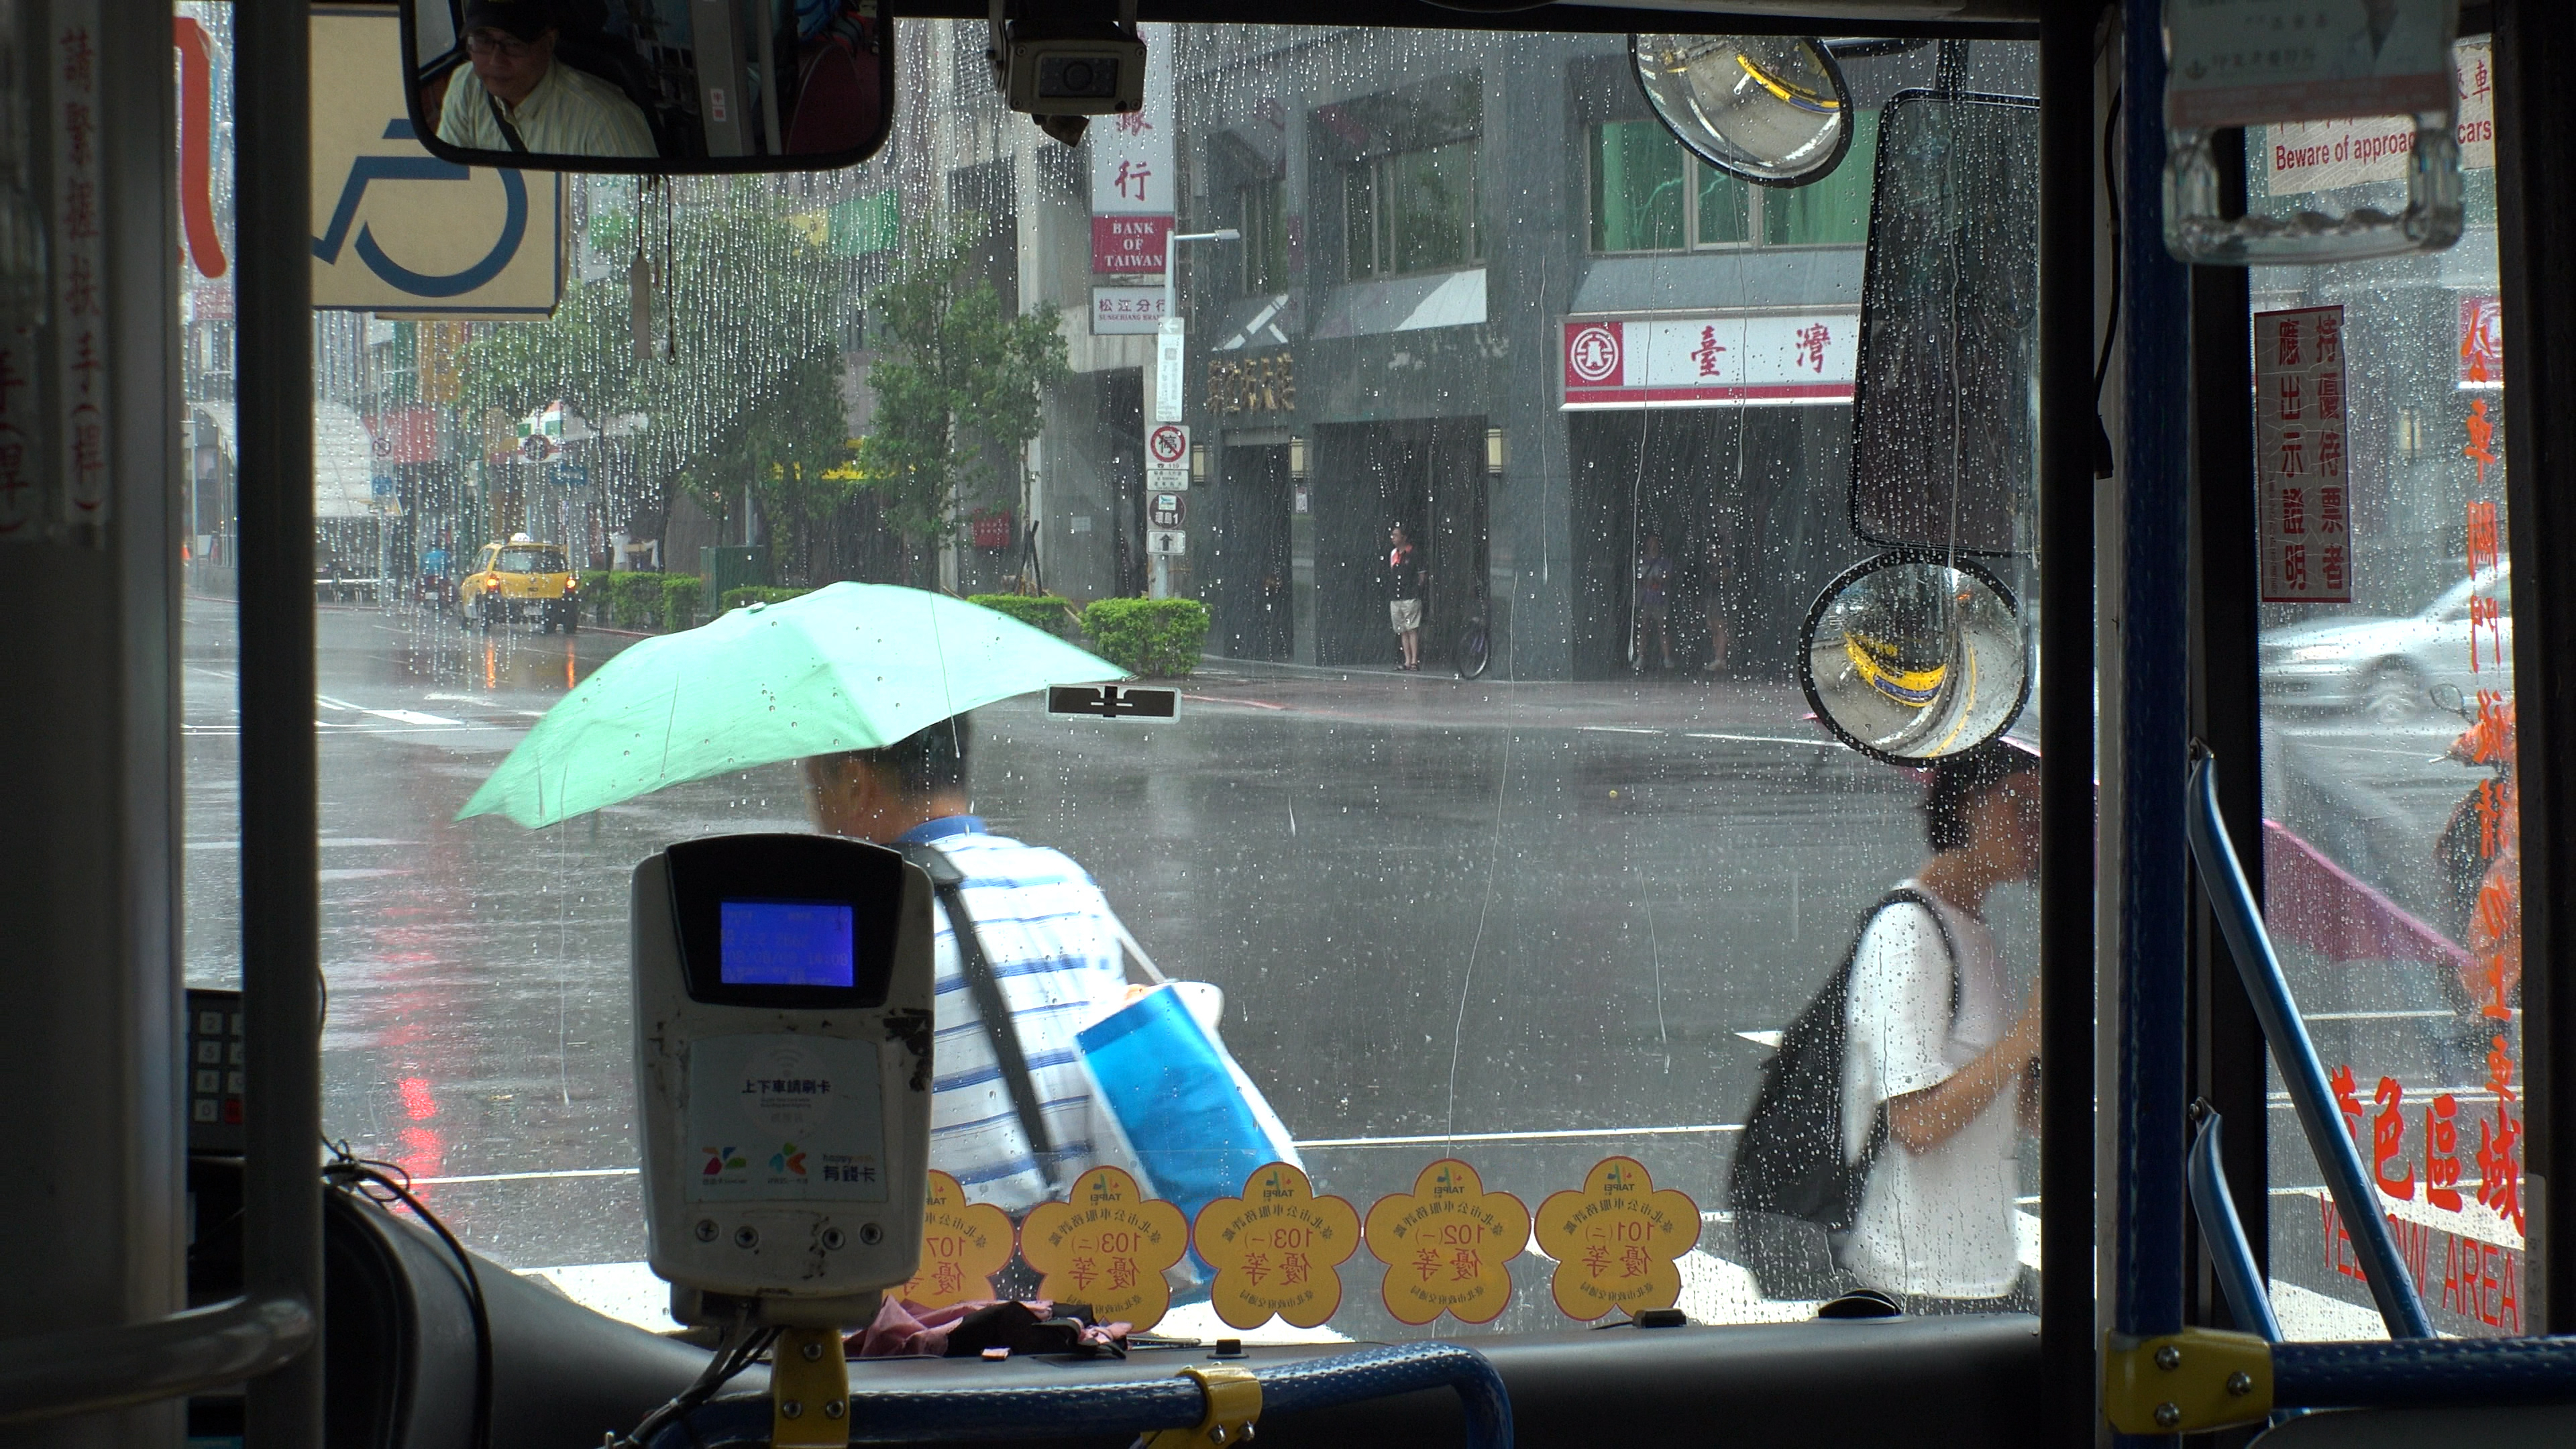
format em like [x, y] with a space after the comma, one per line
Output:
[1906, 1176]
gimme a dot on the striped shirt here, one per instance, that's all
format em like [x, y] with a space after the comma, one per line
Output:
[569, 113]
[1053, 942]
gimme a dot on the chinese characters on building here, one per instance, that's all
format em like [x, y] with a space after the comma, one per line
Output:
[1133, 175]
[80, 268]
[1253, 385]
[2300, 462]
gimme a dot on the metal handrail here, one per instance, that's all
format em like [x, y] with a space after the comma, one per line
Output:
[1071, 1410]
[2231, 900]
[2224, 1232]
[110, 1368]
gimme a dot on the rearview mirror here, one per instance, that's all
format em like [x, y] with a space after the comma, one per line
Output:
[1771, 109]
[654, 86]
[1909, 658]
[1945, 428]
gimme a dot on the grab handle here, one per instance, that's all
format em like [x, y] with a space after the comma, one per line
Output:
[2231, 900]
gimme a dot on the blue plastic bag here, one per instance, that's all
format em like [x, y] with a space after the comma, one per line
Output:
[1193, 1123]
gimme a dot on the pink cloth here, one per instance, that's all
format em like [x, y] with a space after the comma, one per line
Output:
[2310, 900]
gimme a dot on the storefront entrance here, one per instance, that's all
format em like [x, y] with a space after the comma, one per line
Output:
[1750, 506]
[1429, 475]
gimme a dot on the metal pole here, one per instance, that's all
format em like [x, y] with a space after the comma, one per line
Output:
[2067, 187]
[2153, 903]
[281, 968]
[2535, 42]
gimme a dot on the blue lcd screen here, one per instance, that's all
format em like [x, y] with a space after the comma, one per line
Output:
[785, 943]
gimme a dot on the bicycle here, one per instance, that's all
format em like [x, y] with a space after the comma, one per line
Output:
[1475, 645]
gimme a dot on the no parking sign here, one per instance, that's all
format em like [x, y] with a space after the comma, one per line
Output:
[1167, 456]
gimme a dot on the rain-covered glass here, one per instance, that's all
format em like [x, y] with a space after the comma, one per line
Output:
[1648, 194]
[1546, 925]
[2391, 872]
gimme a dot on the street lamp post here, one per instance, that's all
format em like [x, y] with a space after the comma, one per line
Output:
[1169, 339]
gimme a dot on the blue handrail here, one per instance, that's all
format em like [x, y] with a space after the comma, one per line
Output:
[921, 1416]
[2224, 1232]
[2231, 899]
[2424, 1373]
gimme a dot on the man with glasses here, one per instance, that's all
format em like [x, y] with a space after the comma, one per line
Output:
[517, 97]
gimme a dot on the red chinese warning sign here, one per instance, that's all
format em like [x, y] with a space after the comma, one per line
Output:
[2300, 462]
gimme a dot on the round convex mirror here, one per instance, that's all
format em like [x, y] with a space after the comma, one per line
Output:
[1909, 657]
[1771, 109]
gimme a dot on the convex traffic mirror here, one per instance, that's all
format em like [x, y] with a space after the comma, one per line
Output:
[1771, 109]
[1911, 657]
[652, 86]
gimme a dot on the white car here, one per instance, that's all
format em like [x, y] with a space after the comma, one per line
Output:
[2383, 666]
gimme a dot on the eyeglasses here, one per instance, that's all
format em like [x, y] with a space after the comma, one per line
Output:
[483, 42]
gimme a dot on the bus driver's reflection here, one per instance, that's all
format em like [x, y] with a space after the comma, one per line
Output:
[518, 97]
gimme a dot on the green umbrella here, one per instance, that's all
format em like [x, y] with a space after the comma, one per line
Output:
[849, 667]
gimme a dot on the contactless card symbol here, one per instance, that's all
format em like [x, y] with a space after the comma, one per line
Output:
[787, 1159]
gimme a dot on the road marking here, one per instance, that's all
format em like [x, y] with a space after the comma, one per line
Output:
[1757, 739]
[1246, 703]
[1617, 730]
[1434, 1139]
[398, 716]
[1424, 1141]
[526, 1176]
[1769, 1039]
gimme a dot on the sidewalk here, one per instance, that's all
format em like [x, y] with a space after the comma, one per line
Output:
[1656, 704]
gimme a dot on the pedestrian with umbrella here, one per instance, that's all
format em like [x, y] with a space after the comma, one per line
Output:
[870, 687]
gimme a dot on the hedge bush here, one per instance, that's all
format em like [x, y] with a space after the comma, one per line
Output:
[759, 594]
[595, 587]
[680, 594]
[1039, 611]
[1154, 637]
[637, 598]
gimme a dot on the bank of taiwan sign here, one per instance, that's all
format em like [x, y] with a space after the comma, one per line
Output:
[1773, 360]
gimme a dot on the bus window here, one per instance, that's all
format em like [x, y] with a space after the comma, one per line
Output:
[1475, 526]
[2389, 795]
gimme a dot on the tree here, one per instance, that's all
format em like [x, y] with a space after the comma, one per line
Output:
[957, 381]
[754, 376]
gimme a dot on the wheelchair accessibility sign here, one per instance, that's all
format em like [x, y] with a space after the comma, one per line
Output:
[399, 232]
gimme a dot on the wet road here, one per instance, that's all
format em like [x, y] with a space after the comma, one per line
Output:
[1531, 924]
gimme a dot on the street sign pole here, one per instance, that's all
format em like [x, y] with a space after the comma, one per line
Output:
[1169, 346]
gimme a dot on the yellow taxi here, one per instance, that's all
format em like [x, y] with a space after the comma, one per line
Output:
[521, 580]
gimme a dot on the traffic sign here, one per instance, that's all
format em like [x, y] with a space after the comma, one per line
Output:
[572, 475]
[1167, 456]
[399, 232]
[1169, 347]
[1165, 510]
[1166, 541]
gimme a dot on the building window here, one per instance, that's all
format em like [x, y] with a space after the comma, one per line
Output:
[1413, 211]
[1263, 217]
[1648, 194]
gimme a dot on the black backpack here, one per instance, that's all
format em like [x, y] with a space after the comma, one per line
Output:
[1792, 1186]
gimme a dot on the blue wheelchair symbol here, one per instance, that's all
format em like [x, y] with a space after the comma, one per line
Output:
[514, 224]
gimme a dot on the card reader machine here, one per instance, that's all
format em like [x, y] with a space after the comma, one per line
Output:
[782, 1063]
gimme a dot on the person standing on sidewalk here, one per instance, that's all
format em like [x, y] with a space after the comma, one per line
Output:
[1654, 603]
[1405, 578]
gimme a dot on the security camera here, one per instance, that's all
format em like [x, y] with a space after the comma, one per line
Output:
[1061, 69]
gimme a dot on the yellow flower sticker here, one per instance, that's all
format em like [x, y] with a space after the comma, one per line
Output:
[1615, 1240]
[1447, 1244]
[963, 1244]
[1107, 1246]
[1278, 1249]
